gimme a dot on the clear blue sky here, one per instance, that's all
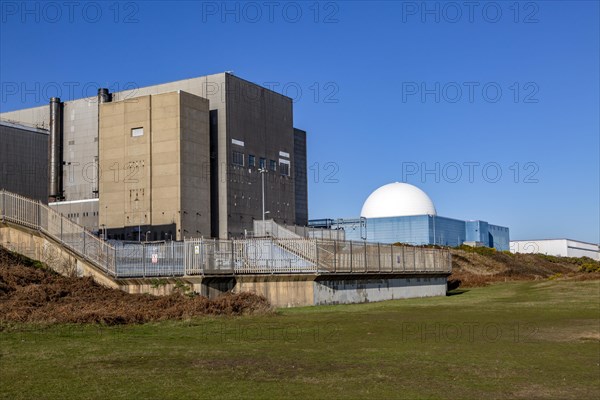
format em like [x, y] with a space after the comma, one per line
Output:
[379, 91]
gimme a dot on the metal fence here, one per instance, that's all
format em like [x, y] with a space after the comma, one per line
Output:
[278, 250]
[270, 255]
[149, 259]
[364, 257]
[271, 228]
[210, 256]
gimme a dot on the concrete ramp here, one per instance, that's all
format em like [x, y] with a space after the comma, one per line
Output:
[35, 245]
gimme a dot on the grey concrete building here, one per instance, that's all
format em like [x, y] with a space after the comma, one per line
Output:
[24, 160]
[250, 127]
[300, 181]
[159, 144]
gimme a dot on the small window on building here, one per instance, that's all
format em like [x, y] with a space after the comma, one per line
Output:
[137, 132]
[284, 168]
[272, 165]
[262, 163]
[238, 158]
[251, 160]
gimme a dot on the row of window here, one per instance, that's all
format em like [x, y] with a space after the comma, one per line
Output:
[84, 214]
[238, 159]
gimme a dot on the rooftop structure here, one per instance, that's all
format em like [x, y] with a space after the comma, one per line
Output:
[397, 200]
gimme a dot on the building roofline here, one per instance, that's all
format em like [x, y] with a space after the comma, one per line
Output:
[542, 240]
[417, 215]
[24, 127]
[254, 83]
[158, 84]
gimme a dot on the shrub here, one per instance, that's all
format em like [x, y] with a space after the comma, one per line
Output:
[484, 251]
[555, 276]
[589, 266]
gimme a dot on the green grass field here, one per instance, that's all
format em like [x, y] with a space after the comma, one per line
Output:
[512, 340]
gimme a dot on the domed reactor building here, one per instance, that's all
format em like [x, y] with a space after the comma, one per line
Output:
[400, 212]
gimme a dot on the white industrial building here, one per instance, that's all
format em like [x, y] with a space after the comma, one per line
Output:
[556, 247]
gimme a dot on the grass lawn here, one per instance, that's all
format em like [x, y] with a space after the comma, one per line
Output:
[512, 340]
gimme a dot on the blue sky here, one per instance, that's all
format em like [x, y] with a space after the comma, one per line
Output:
[386, 91]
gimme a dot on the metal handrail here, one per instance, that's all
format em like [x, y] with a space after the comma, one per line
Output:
[35, 215]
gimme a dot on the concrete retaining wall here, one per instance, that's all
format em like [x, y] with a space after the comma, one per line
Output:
[156, 286]
[32, 244]
[333, 290]
[307, 290]
[280, 290]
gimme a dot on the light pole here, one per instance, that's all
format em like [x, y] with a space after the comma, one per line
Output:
[105, 220]
[137, 202]
[434, 238]
[263, 171]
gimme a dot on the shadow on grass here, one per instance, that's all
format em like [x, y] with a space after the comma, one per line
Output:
[456, 292]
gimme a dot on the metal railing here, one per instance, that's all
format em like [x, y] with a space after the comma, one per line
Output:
[342, 256]
[268, 256]
[364, 257]
[278, 250]
[33, 214]
[269, 228]
[285, 231]
[317, 233]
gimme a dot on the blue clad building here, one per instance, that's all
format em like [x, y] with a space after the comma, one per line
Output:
[399, 212]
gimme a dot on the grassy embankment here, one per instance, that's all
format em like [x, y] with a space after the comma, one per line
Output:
[535, 339]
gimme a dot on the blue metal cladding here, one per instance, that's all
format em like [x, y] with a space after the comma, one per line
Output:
[412, 229]
[447, 231]
[424, 229]
[488, 234]
[477, 231]
[499, 237]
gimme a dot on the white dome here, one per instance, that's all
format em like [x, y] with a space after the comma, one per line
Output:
[397, 200]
